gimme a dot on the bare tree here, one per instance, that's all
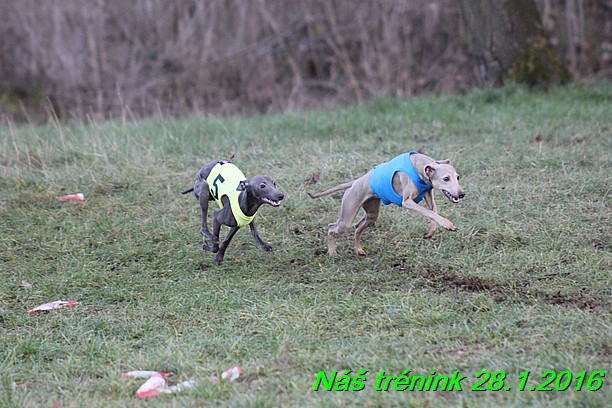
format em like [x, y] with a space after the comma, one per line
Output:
[111, 58]
[508, 41]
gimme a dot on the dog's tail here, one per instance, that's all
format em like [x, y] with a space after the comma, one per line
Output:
[339, 187]
[188, 191]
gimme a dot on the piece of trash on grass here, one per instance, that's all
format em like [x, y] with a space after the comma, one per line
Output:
[26, 285]
[53, 305]
[186, 384]
[156, 381]
[72, 197]
[231, 373]
[143, 374]
[180, 386]
[155, 385]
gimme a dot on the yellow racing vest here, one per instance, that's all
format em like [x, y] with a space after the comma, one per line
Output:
[223, 180]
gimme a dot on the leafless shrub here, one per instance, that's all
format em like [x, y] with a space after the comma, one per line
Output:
[108, 58]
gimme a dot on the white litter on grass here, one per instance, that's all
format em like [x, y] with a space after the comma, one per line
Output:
[26, 285]
[143, 374]
[180, 386]
[231, 373]
[53, 305]
[156, 381]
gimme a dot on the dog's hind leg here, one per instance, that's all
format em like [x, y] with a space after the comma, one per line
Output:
[214, 247]
[225, 244]
[372, 209]
[204, 198]
[351, 201]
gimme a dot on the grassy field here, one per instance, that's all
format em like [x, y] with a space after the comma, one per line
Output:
[523, 285]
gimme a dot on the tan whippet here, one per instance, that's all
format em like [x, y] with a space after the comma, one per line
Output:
[404, 181]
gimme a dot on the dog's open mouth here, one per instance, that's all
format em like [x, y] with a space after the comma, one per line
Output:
[450, 196]
[273, 203]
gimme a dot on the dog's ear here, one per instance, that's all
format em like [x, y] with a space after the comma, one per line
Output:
[429, 170]
[445, 161]
[242, 185]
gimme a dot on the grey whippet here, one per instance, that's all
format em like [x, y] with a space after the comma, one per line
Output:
[238, 199]
[404, 181]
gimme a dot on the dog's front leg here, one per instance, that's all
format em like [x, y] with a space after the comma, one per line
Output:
[224, 245]
[409, 204]
[431, 203]
[258, 239]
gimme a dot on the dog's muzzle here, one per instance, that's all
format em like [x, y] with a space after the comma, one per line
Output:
[452, 198]
[273, 203]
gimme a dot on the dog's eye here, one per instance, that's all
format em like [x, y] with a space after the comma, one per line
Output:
[262, 186]
[458, 177]
[446, 178]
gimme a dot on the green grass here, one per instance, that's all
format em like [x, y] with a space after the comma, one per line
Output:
[523, 285]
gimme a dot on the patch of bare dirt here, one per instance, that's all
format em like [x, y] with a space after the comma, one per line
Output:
[512, 291]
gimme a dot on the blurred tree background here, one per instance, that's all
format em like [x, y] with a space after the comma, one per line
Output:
[96, 59]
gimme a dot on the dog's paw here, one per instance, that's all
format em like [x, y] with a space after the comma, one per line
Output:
[214, 248]
[206, 234]
[209, 236]
[430, 231]
[450, 226]
[267, 247]
[447, 224]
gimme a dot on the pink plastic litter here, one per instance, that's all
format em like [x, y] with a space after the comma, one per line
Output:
[143, 374]
[72, 197]
[231, 373]
[53, 305]
[154, 386]
[156, 383]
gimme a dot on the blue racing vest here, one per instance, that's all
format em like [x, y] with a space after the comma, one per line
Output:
[381, 179]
